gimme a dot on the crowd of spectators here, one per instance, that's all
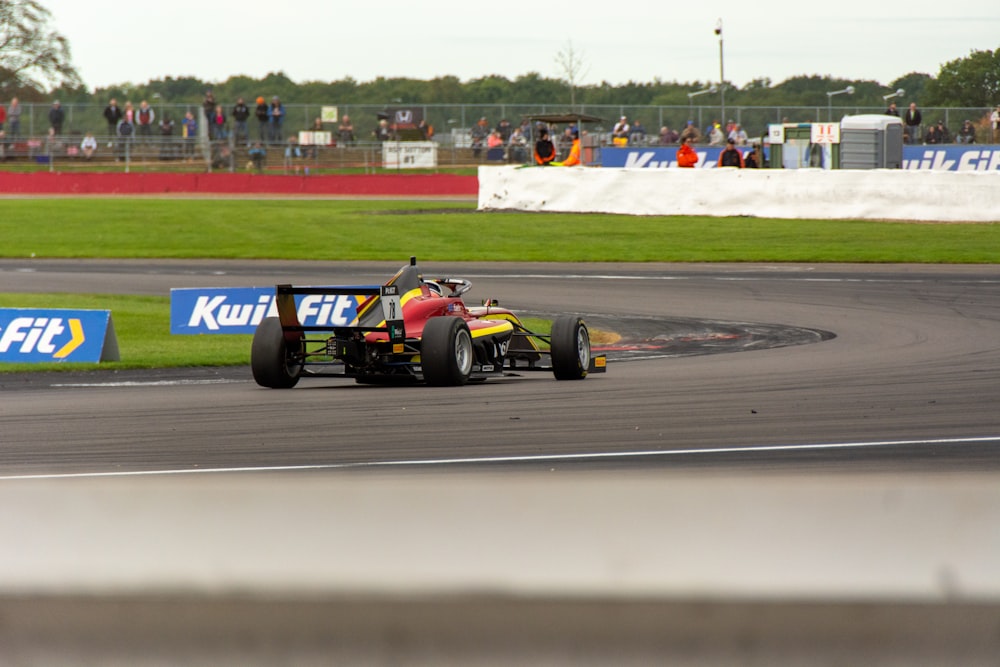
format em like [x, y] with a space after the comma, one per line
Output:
[130, 125]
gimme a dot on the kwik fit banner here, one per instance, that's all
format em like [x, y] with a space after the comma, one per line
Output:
[238, 310]
[37, 335]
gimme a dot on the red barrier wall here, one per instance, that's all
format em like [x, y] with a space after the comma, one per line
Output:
[225, 183]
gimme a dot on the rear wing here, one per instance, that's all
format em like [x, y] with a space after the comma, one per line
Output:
[370, 318]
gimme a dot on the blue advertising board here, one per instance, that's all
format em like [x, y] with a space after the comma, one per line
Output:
[655, 157]
[950, 157]
[238, 310]
[36, 335]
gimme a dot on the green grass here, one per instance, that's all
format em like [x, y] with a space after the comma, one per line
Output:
[443, 231]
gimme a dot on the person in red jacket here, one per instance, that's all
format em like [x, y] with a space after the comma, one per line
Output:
[686, 156]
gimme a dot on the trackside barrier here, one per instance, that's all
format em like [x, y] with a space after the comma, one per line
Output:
[877, 194]
[971, 157]
[238, 310]
[38, 335]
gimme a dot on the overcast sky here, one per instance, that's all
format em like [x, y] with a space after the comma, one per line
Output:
[639, 40]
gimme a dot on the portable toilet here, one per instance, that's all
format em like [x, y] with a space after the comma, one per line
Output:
[871, 141]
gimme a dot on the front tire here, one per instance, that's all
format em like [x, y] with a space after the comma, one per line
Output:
[446, 352]
[275, 363]
[570, 347]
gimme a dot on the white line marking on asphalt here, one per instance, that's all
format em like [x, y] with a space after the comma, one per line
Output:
[150, 383]
[777, 277]
[539, 458]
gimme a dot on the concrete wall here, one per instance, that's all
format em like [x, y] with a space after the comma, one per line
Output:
[802, 193]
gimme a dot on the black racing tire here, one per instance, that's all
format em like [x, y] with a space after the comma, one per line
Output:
[570, 347]
[446, 352]
[274, 363]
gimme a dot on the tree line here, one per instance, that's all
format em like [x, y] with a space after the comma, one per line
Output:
[35, 65]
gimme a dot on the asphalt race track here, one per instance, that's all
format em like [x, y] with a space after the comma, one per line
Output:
[771, 387]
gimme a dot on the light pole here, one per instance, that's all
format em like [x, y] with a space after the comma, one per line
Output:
[899, 93]
[722, 72]
[829, 100]
[692, 95]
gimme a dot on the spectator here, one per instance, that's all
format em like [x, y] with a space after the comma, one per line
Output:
[731, 156]
[505, 129]
[56, 118]
[222, 156]
[620, 132]
[892, 110]
[495, 140]
[573, 158]
[690, 132]
[241, 112]
[276, 115]
[217, 124]
[938, 134]
[189, 132]
[317, 127]
[88, 146]
[293, 153]
[382, 132]
[739, 135]
[426, 130]
[3, 115]
[668, 136]
[208, 104]
[638, 133]
[113, 115]
[345, 131]
[125, 131]
[3, 144]
[967, 133]
[995, 122]
[166, 138]
[715, 135]
[526, 129]
[257, 156]
[144, 119]
[480, 131]
[262, 119]
[14, 119]
[517, 147]
[545, 151]
[912, 120]
[686, 156]
[754, 158]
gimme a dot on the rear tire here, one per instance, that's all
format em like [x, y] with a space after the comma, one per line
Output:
[275, 364]
[570, 347]
[446, 352]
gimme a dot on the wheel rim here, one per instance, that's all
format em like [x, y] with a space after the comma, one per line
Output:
[463, 352]
[583, 347]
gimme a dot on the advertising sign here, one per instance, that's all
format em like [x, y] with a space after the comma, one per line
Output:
[409, 155]
[328, 114]
[658, 158]
[238, 310]
[950, 157]
[37, 335]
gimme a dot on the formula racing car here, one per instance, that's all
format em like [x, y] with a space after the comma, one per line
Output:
[410, 329]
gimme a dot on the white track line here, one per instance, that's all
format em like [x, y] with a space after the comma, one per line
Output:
[539, 458]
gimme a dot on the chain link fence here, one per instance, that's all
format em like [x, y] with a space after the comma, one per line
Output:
[35, 145]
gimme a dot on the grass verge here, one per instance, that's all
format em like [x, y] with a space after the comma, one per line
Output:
[450, 231]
